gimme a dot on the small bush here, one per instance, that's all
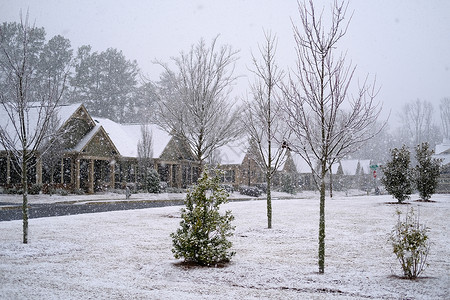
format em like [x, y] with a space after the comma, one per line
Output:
[249, 191]
[78, 191]
[61, 192]
[35, 189]
[203, 234]
[227, 187]
[410, 244]
[152, 184]
[174, 190]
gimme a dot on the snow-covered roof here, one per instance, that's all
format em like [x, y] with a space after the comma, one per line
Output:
[233, 153]
[300, 164]
[444, 147]
[349, 166]
[442, 151]
[127, 137]
[63, 113]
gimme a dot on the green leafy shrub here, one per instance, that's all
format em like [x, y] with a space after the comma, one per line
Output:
[410, 244]
[426, 172]
[397, 174]
[203, 234]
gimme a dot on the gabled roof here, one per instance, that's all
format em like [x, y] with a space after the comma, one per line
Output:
[300, 164]
[126, 137]
[232, 153]
[63, 113]
[349, 166]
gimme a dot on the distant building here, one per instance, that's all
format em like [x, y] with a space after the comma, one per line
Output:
[442, 151]
[97, 154]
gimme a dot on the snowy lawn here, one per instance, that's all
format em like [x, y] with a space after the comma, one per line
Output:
[127, 254]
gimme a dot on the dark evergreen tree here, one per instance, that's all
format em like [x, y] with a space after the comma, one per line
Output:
[203, 234]
[426, 172]
[106, 83]
[153, 182]
[397, 176]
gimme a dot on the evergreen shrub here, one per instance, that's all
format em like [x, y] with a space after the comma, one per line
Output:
[426, 172]
[203, 234]
[153, 182]
[397, 174]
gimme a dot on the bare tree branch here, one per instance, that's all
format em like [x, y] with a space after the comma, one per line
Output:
[194, 102]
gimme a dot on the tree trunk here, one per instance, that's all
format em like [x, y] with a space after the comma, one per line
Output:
[25, 197]
[322, 228]
[269, 203]
[331, 183]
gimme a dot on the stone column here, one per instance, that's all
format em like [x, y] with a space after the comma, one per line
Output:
[113, 171]
[38, 170]
[77, 174]
[91, 176]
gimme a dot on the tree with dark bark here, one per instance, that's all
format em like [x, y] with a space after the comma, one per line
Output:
[32, 79]
[322, 131]
[262, 120]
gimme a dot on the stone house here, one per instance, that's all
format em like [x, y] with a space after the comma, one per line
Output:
[96, 154]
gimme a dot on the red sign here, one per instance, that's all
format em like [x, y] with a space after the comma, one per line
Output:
[374, 174]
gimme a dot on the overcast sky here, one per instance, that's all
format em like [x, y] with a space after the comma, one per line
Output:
[405, 44]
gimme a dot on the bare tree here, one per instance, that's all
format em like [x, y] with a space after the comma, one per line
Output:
[145, 151]
[32, 77]
[417, 122]
[444, 108]
[263, 116]
[54, 148]
[318, 90]
[194, 102]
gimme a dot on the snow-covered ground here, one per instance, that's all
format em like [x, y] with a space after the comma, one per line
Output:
[127, 254]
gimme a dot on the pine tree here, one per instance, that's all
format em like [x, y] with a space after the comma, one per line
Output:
[153, 181]
[203, 234]
[397, 176]
[426, 171]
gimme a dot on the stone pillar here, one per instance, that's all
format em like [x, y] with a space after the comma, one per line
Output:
[77, 174]
[113, 171]
[91, 177]
[170, 183]
[39, 171]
